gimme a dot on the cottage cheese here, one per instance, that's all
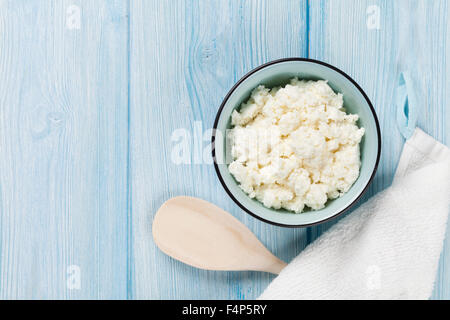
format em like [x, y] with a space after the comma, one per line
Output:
[295, 146]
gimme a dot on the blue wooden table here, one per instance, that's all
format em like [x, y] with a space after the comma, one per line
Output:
[91, 93]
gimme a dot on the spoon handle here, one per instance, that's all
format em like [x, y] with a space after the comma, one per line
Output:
[276, 267]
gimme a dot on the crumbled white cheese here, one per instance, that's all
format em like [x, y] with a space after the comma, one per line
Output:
[295, 146]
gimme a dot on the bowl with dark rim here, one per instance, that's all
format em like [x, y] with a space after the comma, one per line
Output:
[278, 73]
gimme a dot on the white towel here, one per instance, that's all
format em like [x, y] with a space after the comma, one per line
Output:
[389, 247]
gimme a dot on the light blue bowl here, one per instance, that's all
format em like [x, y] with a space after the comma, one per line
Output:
[277, 73]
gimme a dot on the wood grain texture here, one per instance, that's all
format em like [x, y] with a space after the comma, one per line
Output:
[63, 150]
[180, 71]
[87, 116]
[412, 36]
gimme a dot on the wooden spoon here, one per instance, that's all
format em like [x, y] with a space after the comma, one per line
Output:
[202, 235]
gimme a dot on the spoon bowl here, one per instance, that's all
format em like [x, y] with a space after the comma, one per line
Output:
[202, 235]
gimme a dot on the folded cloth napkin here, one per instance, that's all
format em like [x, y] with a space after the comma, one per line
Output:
[389, 247]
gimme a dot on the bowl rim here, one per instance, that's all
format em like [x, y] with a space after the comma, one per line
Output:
[225, 100]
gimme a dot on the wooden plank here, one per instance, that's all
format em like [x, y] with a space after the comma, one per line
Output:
[63, 149]
[411, 36]
[185, 56]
